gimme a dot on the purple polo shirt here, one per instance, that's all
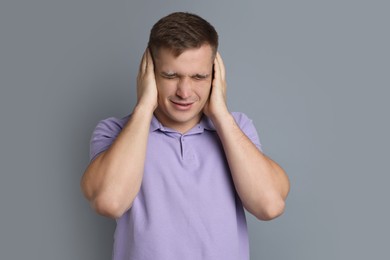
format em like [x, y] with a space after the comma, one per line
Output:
[187, 207]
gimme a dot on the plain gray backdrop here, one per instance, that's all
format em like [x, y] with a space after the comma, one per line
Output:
[313, 75]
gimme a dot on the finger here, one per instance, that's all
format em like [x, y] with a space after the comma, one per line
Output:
[216, 68]
[142, 65]
[149, 62]
[220, 74]
[217, 65]
[221, 66]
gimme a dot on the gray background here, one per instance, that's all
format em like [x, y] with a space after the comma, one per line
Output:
[313, 75]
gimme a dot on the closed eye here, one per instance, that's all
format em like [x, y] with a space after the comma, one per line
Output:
[200, 77]
[169, 75]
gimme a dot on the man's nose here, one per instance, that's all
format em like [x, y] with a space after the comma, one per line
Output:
[184, 87]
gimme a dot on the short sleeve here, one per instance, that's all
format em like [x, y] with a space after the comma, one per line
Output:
[104, 135]
[247, 126]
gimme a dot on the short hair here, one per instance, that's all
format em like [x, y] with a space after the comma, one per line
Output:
[181, 31]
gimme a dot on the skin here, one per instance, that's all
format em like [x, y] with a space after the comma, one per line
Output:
[178, 91]
[183, 85]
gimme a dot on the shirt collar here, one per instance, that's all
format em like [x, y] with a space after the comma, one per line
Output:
[205, 123]
[155, 124]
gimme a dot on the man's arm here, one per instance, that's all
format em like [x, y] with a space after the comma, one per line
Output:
[261, 184]
[112, 180]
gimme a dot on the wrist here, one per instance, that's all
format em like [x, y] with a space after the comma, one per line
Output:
[144, 109]
[221, 118]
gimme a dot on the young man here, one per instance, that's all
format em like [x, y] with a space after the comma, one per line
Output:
[177, 173]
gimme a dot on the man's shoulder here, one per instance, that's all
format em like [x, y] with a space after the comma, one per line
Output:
[105, 133]
[241, 118]
[113, 123]
[109, 127]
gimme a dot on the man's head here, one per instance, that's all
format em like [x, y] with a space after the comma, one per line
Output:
[181, 31]
[183, 47]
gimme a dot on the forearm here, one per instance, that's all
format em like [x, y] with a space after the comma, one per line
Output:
[260, 183]
[113, 179]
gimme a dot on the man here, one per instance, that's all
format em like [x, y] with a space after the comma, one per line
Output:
[177, 172]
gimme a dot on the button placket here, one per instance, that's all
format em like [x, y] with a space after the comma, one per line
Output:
[182, 146]
[188, 154]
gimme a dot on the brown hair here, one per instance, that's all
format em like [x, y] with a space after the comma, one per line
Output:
[181, 31]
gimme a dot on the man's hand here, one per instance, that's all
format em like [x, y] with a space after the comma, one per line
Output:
[261, 184]
[146, 82]
[113, 179]
[216, 105]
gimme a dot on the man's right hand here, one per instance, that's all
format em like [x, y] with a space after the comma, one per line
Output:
[146, 82]
[113, 179]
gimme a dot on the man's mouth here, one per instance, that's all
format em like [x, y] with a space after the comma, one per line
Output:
[182, 105]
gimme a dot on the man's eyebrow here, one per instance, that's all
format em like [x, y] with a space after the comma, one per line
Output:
[174, 74]
[168, 73]
[203, 76]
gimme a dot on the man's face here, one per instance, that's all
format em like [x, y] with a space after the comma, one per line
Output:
[183, 85]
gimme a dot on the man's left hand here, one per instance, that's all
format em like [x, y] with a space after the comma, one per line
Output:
[216, 105]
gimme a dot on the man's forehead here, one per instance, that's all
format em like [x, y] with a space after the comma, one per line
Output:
[164, 52]
[190, 62]
[184, 70]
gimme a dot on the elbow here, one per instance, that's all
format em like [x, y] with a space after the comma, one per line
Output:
[108, 207]
[272, 210]
[86, 190]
